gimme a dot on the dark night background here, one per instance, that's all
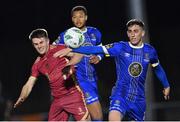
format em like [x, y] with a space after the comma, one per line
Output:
[18, 18]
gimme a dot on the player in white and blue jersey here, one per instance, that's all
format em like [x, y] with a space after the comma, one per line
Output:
[86, 74]
[132, 59]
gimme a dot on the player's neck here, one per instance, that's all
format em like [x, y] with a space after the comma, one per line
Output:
[139, 45]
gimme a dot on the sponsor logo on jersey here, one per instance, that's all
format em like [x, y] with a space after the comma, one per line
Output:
[146, 57]
[135, 69]
[126, 54]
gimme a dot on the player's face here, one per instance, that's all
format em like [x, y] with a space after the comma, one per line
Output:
[79, 19]
[41, 45]
[135, 34]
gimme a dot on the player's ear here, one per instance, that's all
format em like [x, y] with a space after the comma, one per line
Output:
[127, 34]
[86, 17]
[48, 41]
[143, 33]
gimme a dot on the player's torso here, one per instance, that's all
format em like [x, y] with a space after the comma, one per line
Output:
[51, 67]
[85, 70]
[131, 65]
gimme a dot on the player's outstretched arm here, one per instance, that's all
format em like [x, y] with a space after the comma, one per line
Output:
[82, 49]
[26, 90]
[63, 52]
[160, 73]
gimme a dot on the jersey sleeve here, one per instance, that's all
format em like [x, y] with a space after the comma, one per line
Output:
[98, 36]
[158, 69]
[89, 50]
[154, 58]
[112, 49]
[109, 50]
[161, 75]
[34, 69]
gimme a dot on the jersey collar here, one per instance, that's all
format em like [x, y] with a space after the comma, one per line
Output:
[136, 47]
[85, 30]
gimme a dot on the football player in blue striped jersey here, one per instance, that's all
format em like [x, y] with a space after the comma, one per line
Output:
[132, 59]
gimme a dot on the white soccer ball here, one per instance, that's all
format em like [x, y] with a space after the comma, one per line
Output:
[73, 37]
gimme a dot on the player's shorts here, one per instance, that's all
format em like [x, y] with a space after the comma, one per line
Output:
[133, 110]
[72, 103]
[90, 91]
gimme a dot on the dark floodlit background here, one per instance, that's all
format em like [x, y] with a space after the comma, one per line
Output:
[18, 18]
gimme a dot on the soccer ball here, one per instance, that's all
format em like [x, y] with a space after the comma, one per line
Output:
[73, 37]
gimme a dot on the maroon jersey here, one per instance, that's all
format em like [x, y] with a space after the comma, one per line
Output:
[51, 67]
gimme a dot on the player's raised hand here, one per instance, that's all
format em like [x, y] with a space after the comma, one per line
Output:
[62, 52]
[94, 59]
[19, 102]
[166, 92]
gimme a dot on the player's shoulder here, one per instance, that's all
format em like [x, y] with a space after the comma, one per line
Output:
[148, 46]
[92, 29]
[122, 42]
[116, 44]
[61, 34]
[37, 60]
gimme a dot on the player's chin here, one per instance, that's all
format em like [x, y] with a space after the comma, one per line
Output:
[134, 43]
[41, 52]
[80, 26]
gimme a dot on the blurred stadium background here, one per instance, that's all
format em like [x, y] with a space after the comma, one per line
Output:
[19, 18]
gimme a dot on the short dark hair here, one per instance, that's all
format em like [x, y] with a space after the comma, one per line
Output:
[79, 8]
[135, 22]
[38, 33]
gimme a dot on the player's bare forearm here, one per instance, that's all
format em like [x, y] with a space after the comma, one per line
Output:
[76, 58]
[26, 90]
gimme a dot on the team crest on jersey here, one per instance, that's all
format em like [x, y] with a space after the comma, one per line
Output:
[109, 46]
[117, 102]
[93, 36]
[135, 69]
